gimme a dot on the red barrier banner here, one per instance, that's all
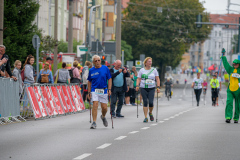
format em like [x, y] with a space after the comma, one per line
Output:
[55, 95]
[62, 99]
[40, 101]
[67, 98]
[75, 98]
[71, 98]
[80, 97]
[49, 95]
[33, 102]
[46, 100]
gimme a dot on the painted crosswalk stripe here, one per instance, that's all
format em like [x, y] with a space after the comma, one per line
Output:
[145, 127]
[160, 121]
[104, 146]
[120, 138]
[83, 156]
[166, 119]
[133, 132]
[153, 124]
[172, 117]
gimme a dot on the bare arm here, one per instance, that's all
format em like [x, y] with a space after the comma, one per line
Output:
[158, 81]
[110, 83]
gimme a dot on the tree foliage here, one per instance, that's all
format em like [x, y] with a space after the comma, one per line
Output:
[63, 46]
[19, 28]
[127, 51]
[47, 44]
[154, 34]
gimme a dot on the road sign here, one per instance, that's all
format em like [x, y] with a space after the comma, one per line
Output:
[36, 41]
[110, 47]
[130, 64]
[138, 64]
[81, 49]
[96, 47]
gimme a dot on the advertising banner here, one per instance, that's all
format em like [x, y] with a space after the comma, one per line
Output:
[57, 101]
[71, 99]
[33, 102]
[47, 102]
[40, 101]
[62, 99]
[80, 97]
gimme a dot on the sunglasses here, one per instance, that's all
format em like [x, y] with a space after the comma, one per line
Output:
[97, 60]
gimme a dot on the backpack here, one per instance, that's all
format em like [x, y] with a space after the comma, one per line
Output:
[85, 76]
[22, 75]
[71, 72]
[44, 78]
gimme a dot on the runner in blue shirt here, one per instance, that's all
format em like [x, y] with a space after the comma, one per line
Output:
[99, 89]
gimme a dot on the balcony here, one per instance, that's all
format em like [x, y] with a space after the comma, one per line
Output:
[108, 8]
[109, 30]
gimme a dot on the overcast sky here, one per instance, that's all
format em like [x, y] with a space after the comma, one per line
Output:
[220, 6]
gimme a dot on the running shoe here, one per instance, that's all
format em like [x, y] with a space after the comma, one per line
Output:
[217, 104]
[145, 120]
[133, 104]
[93, 126]
[119, 116]
[151, 116]
[105, 123]
[140, 104]
[235, 121]
[228, 120]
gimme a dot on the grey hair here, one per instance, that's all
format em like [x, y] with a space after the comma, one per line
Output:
[2, 46]
[95, 56]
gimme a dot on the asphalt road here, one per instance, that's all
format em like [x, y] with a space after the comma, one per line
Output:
[183, 132]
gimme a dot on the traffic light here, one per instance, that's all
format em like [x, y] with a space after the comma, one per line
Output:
[199, 19]
[103, 60]
[103, 57]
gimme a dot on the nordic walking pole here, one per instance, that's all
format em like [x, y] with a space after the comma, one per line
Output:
[90, 110]
[223, 52]
[137, 104]
[192, 97]
[157, 107]
[111, 112]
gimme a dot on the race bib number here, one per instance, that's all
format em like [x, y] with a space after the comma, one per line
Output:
[214, 84]
[150, 82]
[236, 75]
[99, 91]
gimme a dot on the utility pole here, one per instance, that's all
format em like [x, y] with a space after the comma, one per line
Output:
[70, 27]
[1, 20]
[199, 52]
[118, 30]
[37, 14]
[49, 18]
[239, 36]
[103, 30]
[86, 29]
[55, 36]
[228, 6]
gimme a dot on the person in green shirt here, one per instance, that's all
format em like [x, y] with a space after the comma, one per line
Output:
[134, 79]
[214, 83]
[233, 91]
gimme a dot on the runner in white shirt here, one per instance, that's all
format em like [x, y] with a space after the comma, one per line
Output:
[220, 85]
[197, 85]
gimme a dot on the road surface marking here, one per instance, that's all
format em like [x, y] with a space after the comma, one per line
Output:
[179, 99]
[145, 127]
[160, 121]
[154, 124]
[120, 138]
[133, 132]
[166, 119]
[176, 115]
[172, 117]
[83, 156]
[104, 146]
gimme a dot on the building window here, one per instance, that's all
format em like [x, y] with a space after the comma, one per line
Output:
[219, 44]
[215, 44]
[220, 34]
[215, 33]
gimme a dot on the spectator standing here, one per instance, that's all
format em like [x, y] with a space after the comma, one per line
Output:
[28, 77]
[62, 75]
[17, 74]
[76, 74]
[219, 88]
[5, 66]
[128, 93]
[49, 61]
[85, 72]
[45, 75]
[4, 60]
[119, 87]
[133, 85]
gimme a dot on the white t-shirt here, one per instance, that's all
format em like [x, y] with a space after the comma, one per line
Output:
[198, 83]
[148, 80]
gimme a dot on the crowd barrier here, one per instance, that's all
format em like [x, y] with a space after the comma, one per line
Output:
[9, 101]
[50, 100]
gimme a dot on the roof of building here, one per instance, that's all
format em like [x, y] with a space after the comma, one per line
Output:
[225, 18]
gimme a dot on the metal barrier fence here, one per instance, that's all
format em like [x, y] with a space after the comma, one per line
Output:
[9, 101]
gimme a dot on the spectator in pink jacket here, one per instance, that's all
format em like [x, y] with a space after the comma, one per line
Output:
[76, 75]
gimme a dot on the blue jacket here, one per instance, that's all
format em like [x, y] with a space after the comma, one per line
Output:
[50, 76]
[124, 78]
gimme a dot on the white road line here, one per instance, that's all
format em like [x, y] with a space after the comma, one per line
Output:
[160, 121]
[154, 124]
[83, 156]
[133, 132]
[120, 138]
[166, 119]
[104, 146]
[172, 117]
[176, 115]
[179, 99]
[145, 128]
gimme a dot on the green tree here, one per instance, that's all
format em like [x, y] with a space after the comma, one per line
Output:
[127, 51]
[18, 21]
[235, 44]
[63, 46]
[154, 34]
[47, 44]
